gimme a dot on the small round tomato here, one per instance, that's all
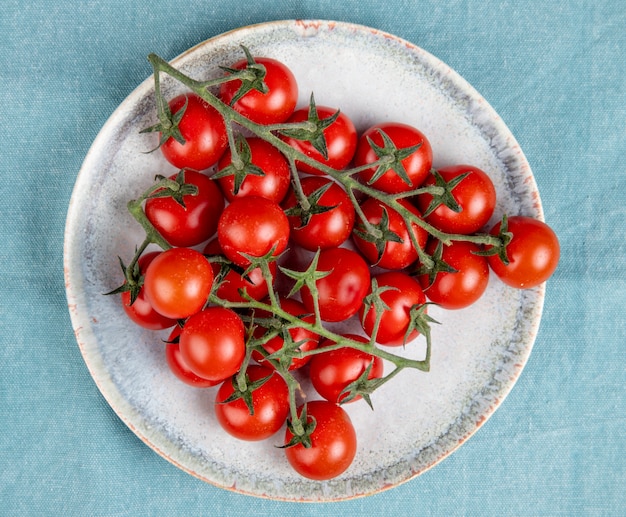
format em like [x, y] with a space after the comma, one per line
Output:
[177, 364]
[392, 254]
[193, 221]
[341, 292]
[266, 173]
[340, 138]
[402, 138]
[333, 442]
[308, 340]
[324, 228]
[212, 343]
[456, 290]
[203, 129]
[272, 107]
[332, 371]
[402, 293]
[533, 253]
[254, 226]
[269, 405]
[178, 282]
[475, 196]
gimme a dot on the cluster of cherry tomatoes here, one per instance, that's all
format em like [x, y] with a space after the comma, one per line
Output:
[259, 256]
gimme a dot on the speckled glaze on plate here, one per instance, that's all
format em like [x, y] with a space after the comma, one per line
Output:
[419, 418]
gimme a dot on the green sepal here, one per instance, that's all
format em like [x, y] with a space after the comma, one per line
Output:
[315, 208]
[505, 237]
[247, 393]
[308, 425]
[392, 158]
[446, 198]
[381, 237]
[438, 266]
[245, 166]
[252, 77]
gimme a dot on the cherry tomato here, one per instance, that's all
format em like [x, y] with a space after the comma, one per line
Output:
[272, 107]
[324, 229]
[332, 371]
[416, 165]
[533, 253]
[212, 343]
[395, 255]
[177, 364]
[252, 225]
[178, 282]
[403, 293]
[269, 178]
[309, 340]
[204, 132]
[340, 293]
[333, 442]
[474, 194]
[141, 311]
[340, 137]
[457, 290]
[269, 401]
[192, 222]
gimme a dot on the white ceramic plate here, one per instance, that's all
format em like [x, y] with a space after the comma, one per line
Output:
[419, 418]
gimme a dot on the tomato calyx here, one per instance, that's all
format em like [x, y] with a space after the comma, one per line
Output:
[362, 387]
[176, 189]
[133, 280]
[504, 237]
[438, 266]
[391, 158]
[244, 390]
[378, 234]
[252, 77]
[446, 197]
[241, 164]
[301, 427]
[305, 210]
[421, 322]
[168, 124]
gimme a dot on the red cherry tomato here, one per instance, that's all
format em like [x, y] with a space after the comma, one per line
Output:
[177, 364]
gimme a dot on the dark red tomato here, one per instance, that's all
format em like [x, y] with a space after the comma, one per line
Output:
[331, 372]
[177, 364]
[463, 288]
[475, 195]
[327, 229]
[404, 293]
[203, 130]
[333, 442]
[193, 223]
[229, 289]
[395, 255]
[340, 293]
[340, 136]
[417, 165]
[212, 343]
[178, 282]
[270, 404]
[252, 225]
[308, 339]
[272, 107]
[141, 311]
[533, 253]
[265, 158]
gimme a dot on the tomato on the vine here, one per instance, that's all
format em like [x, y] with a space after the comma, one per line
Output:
[533, 253]
[333, 442]
[177, 364]
[256, 413]
[192, 219]
[328, 223]
[203, 130]
[178, 282]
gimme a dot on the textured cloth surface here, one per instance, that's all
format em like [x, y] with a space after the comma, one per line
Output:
[554, 71]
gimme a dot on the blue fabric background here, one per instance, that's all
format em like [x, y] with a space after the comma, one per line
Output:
[554, 71]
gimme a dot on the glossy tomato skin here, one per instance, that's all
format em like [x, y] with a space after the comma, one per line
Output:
[178, 282]
[463, 288]
[194, 223]
[332, 371]
[475, 194]
[273, 107]
[212, 343]
[325, 230]
[141, 311]
[252, 225]
[404, 293]
[177, 364]
[396, 255]
[533, 253]
[417, 165]
[204, 132]
[341, 140]
[333, 443]
[270, 403]
[340, 293]
[308, 339]
[273, 185]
